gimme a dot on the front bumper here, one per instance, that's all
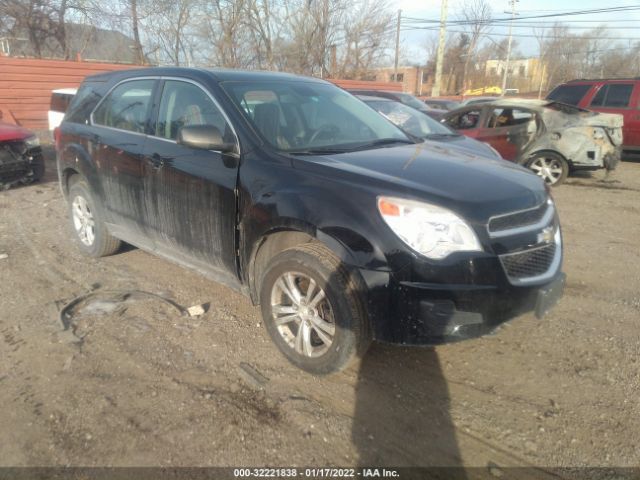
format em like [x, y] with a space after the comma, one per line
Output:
[17, 164]
[431, 314]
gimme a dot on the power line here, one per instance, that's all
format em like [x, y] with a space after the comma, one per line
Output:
[507, 19]
[522, 35]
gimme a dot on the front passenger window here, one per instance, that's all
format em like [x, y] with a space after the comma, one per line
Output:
[126, 107]
[186, 104]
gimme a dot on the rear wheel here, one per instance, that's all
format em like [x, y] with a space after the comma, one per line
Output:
[312, 309]
[549, 166]
[91, 233]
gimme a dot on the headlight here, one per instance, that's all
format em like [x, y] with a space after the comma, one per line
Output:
[432, 231]
[32, 142]
[598, 133]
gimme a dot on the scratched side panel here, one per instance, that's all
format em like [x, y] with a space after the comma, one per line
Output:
[190, 202]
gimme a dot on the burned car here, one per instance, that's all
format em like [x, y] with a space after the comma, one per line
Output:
[550, 138]
[21, 159]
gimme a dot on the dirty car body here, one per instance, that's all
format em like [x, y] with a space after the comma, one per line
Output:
[21, 160]
[294, 192]
[522, 130]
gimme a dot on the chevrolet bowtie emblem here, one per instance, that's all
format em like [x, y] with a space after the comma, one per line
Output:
[546, 236]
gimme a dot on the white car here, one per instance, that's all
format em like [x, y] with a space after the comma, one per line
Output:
[60, 100]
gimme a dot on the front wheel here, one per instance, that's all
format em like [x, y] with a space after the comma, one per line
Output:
[549, 166]
[312, 309]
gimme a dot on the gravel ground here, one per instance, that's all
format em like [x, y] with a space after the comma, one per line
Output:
[148, 386]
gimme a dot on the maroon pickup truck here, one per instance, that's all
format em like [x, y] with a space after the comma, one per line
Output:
[620, 96]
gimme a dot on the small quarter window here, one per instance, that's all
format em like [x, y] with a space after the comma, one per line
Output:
[126, 107]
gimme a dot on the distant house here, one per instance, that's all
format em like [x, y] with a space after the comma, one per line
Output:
[525, 74]
[412, 78]
[83, 41]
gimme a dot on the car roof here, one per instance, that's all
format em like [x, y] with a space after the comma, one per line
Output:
[65, 91]
[530, 103]
[218, 74]
[372, 98]
[597, 80]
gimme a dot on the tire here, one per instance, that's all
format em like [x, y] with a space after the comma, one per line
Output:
[334, 326]
[549, 166]
[87, 222]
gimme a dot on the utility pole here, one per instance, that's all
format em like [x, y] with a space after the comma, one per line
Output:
[506, 67]
[395, 65]
[435, 91]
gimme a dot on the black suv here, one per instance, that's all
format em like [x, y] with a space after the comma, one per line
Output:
[299, 195]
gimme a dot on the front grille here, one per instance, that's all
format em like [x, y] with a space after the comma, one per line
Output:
[518, 219]
[529, 263]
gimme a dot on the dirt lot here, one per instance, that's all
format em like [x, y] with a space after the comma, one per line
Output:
[150, 387]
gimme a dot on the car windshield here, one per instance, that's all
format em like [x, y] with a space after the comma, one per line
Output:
[410, 120]
[410, 100]
[308, 117]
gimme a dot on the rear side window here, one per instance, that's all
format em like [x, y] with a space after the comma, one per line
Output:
[508, 117]
[618, 95]
[83, 103]
[126, 107]
[571, 94]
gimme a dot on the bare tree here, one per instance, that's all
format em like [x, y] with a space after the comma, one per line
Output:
[168, 30]
[476, 15]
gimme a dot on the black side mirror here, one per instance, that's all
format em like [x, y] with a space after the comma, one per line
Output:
[204, 137]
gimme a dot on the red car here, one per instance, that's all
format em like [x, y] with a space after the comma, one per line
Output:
[550, 138]
[21, 159]
[621, 96]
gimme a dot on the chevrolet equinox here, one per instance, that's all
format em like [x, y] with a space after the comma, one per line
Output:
[297, 194]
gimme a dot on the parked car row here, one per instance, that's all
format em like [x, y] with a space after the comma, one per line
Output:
[342, 226]
[549, 137]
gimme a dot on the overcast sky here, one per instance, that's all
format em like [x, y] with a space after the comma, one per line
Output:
[413, 41]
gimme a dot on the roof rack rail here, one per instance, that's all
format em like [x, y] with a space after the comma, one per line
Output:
[601, 79]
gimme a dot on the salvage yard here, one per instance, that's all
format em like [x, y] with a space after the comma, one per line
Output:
[134, 382]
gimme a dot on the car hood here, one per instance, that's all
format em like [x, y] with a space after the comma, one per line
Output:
[476, 187]
[10, 132]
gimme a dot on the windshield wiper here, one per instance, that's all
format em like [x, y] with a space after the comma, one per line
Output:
[318, 151]
[380, 143]
[432, 136]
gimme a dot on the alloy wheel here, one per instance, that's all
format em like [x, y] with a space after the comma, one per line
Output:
[548, 168]
[302, 314]
[83, 220]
